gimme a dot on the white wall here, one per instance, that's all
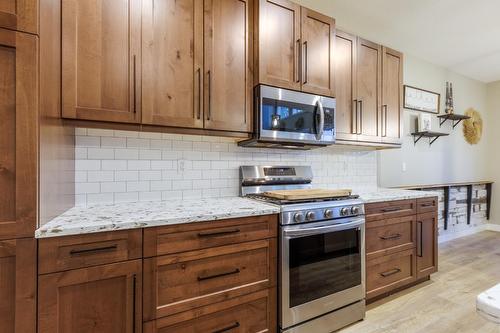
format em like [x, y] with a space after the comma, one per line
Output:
[493, 138]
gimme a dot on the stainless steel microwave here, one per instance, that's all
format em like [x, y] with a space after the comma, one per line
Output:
[291, 119]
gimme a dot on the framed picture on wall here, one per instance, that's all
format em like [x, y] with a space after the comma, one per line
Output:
[421, 100]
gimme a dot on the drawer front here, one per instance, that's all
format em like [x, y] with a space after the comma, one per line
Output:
[182, 282]
[390, 272]
[71, 252]
[388, 236]
[390, 209]
[427, 205]
[195, 236]
[247, 314]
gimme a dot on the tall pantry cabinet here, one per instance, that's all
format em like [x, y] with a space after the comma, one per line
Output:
[18, 166]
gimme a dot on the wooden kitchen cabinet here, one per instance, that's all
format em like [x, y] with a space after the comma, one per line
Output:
[101, 60]
[172, 51]
[392, 96]
[18, 133]
[295, 47]
[20, 15]
[427, 245]
[99, 299]
[228, 63]
[18, 285]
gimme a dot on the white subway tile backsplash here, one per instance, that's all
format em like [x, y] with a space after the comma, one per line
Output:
[123, 166]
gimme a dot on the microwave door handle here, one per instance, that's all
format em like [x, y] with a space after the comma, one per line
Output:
[292, 233]
[321, 127]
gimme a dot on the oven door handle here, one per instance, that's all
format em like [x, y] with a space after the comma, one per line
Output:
[308, 231]
[321, 126]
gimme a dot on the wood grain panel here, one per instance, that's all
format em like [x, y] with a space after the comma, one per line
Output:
[180, 282]
[318, 37]
[71, 252]
[392, 96]
[345, 86]
[172, 50]
[20, 15]
[278, 43]
[427, 205]
[251, 313]
[101, 299]
[388, 236]
[390, 209]
[228, 63]
[18, 134]
[427, 244]
[101, 60]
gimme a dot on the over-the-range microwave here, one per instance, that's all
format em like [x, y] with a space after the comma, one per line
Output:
[291, 119]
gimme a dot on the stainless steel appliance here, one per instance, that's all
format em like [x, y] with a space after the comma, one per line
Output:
[322, 251]
[292, 119]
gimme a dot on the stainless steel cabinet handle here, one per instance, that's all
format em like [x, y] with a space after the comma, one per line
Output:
[419, 243]
[391, 272]
[209, 113]
[297, 62]
[94, 250]
[360, 117]
[305, 63]
[199, 93]
[134, 83]
[427, 204]
[213, 276]
[384, 122]
[391, 209]
[228, 328]
[391, 237]
[354, 117]
[134, 295]
[218, 233]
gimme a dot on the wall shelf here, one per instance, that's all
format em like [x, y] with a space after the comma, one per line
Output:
[455, 118]
[433, 136]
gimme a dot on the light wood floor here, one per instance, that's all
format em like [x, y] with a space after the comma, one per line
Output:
[446, 303]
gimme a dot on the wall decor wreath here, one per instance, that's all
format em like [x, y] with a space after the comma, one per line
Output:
[473, 127]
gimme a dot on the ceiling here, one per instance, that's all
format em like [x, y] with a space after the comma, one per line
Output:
[461, 35]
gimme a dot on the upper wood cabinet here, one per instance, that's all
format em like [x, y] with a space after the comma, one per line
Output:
[18, 285]
[172, 51]
[228, 65]
[392, 95]
[294, 47]
[20, 15]
[18, 133]
[101, 60]
[99, 299]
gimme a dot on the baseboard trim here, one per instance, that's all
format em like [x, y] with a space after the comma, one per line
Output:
[468, 232]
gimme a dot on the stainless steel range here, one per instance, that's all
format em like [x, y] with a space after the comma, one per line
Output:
[322, 251]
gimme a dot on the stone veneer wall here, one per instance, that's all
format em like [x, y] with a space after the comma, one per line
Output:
[457, 221]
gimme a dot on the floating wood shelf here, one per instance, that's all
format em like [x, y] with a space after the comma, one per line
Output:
[433, 136]
[455, 118]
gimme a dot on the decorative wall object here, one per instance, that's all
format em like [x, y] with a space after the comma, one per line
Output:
[421, 100]
[424, 122]
[473, 127]
[449, 98]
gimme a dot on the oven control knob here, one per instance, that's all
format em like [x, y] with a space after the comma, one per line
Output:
[310, 215]
[328, 213]
[344, 211]
[354, 210]
[298, 217]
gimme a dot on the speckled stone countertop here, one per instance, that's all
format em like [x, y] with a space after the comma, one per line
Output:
[109, 217]
[385, 194]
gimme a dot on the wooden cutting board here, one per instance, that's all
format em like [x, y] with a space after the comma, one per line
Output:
[307, 194]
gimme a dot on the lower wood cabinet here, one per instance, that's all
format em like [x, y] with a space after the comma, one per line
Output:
[427, 243]
[18, 286]
[250, 313]
[99, 299]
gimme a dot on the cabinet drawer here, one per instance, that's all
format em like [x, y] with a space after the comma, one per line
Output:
[64, 253]
[195, 236]
[251, 313]
[175, 283]
[387, 273]
[389, 236]
[390, 209]
[427, 205]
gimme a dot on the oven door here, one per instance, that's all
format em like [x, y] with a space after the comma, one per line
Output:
[322, 268]
[292, 116]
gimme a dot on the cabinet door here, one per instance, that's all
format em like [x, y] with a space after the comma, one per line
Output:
[368, 79]
[427, 258]
[101, 60]
[228, 61]
[19, 15]
[18, 134]
[345, 86]
[392, 95]
[18, 285]
[172, 50]
[278, 43]
[318, 36]
[99, 299]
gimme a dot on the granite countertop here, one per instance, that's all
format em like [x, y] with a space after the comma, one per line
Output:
[385, 194]
[109, 217]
